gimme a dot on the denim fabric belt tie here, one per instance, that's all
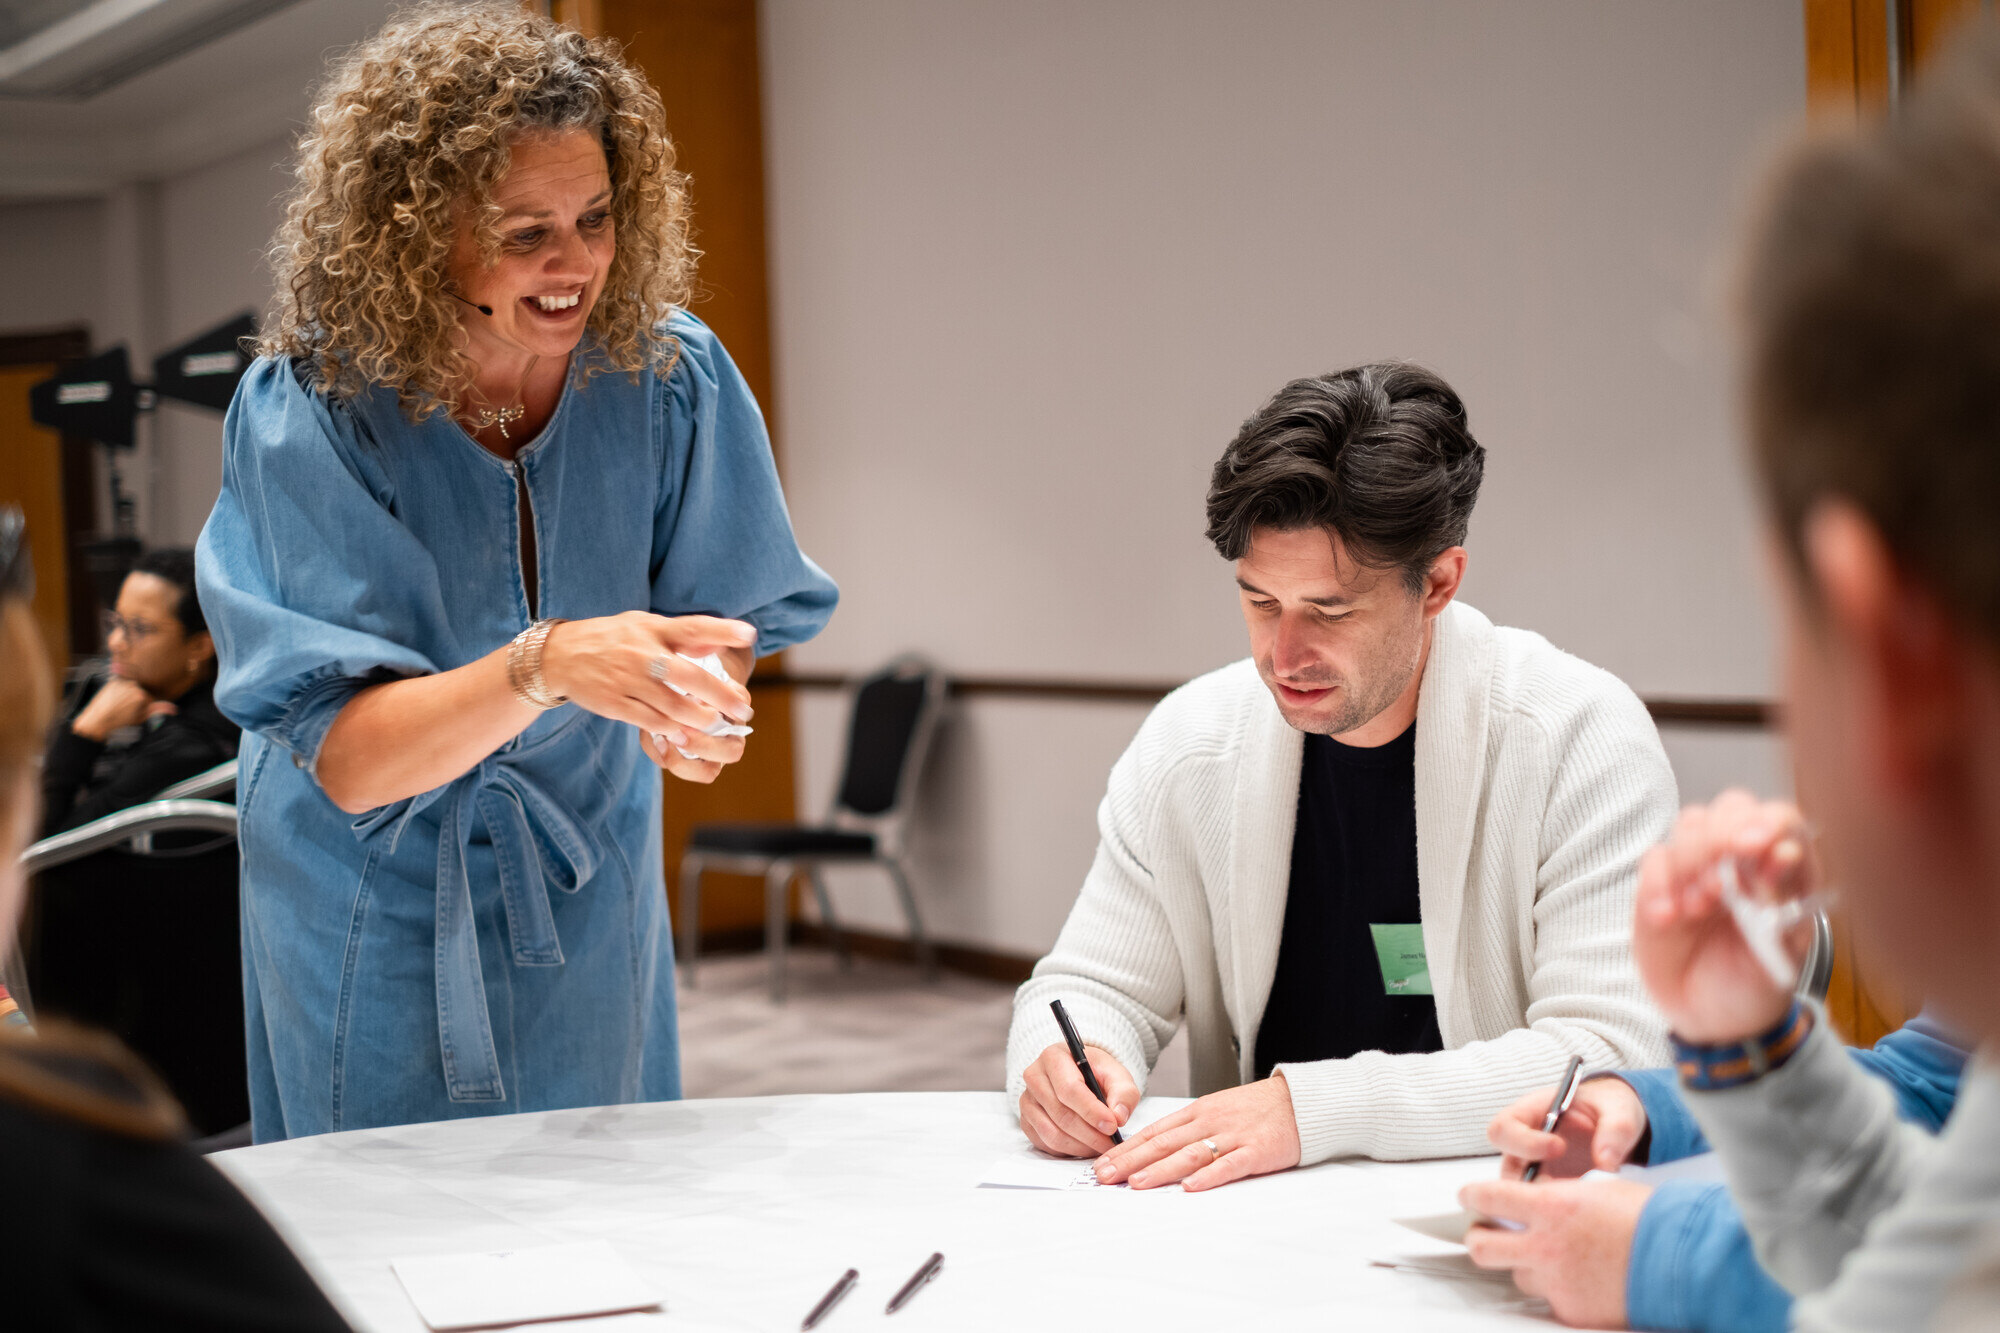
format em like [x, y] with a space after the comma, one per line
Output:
[537, 841]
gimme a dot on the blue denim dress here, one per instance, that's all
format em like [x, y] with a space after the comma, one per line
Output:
[500, 943]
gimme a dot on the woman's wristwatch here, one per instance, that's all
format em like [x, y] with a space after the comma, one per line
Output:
[524, 666]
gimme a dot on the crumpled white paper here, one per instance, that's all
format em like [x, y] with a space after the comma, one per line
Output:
[722, 726]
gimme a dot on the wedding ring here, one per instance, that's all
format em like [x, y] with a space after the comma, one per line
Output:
[1214, 1153]
[657, 668]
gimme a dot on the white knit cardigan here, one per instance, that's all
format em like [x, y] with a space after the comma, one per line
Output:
[1540, 781]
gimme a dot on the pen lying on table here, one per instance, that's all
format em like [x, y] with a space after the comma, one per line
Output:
[916, 1283]
[831, 1299]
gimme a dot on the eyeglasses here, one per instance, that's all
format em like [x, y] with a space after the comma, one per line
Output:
[17, 571]
[133, 630]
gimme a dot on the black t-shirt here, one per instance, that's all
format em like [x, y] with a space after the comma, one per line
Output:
[1354, 866]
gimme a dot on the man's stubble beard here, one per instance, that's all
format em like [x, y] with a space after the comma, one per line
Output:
[1398, 667]
[1354, 713]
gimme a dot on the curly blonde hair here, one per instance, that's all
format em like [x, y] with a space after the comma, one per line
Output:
[411, 130]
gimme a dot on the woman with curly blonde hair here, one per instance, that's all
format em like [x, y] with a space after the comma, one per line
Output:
[488, 498]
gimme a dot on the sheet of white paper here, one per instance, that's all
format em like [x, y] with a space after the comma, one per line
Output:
[1020, 1172]
[1024, 1167]
[1457, 1264]
[1452, 1226]
[455, 1291]
[1701, 1166]
[644, 1321]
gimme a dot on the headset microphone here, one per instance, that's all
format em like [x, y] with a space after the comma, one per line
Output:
[482, 309]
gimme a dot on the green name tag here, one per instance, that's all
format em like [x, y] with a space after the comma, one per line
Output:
[1400, 949]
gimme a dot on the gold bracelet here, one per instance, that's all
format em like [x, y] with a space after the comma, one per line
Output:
[524, 666]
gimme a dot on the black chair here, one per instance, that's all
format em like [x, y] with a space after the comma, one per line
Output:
[134, 929]
[893, 713]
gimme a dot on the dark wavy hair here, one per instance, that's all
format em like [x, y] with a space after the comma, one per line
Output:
[1380, 455]
[175, 565]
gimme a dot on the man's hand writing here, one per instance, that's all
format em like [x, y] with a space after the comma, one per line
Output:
[1058, 1112]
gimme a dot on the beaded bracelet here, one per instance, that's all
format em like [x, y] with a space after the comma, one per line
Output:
[524, 666]
[1712, 1068]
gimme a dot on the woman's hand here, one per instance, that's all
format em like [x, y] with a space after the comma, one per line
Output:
[625, 667]
[120, 703]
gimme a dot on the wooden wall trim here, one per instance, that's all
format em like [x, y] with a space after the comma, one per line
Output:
[60, 347]
[57, 345]
[1740, 714]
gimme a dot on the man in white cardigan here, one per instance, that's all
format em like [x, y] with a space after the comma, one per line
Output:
[1383, 871]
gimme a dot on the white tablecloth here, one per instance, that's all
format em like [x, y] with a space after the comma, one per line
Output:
[742, 1212]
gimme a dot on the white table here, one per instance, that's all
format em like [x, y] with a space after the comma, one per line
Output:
[742, 1212]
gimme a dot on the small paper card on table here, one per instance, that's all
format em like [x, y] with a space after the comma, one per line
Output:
[1022, 1171]
[1452, 1226]
[453, 1291]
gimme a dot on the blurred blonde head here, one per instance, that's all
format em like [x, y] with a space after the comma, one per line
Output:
[408, 136]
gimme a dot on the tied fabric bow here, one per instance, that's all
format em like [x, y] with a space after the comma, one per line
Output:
[538, 841]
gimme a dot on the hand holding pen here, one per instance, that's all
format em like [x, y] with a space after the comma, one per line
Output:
[1061, 1114]
[1602, 1129]
[1559, 1104]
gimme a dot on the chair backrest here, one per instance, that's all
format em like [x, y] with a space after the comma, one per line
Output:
[888, 731]
[132, 824]
[209, 784]
[129, 825]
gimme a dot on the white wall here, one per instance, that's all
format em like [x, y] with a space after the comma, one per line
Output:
[150, 265]
[49, 254]
[215, 224]
[1034, 261]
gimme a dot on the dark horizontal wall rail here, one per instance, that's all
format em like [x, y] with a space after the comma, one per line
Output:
[1739, 714]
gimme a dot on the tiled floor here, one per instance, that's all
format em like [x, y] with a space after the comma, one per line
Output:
[878, 1028]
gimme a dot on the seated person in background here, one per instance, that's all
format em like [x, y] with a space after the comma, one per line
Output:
[1383, 869]
[110, 1221]
[1622, 1254]
[147, 947]
[1871, 297]
[152, 721]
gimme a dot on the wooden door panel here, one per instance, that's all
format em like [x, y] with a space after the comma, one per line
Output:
[31, 476]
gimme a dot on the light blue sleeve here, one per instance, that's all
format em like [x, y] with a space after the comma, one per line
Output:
[309, 583]
[1693, 1267]
[722, 538]
[1670, 1127]
[1922, 1062]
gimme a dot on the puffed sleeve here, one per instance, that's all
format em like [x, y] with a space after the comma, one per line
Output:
[309, 583]
[722, 539]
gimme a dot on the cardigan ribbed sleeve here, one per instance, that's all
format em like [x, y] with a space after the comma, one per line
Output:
[1115, 966]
